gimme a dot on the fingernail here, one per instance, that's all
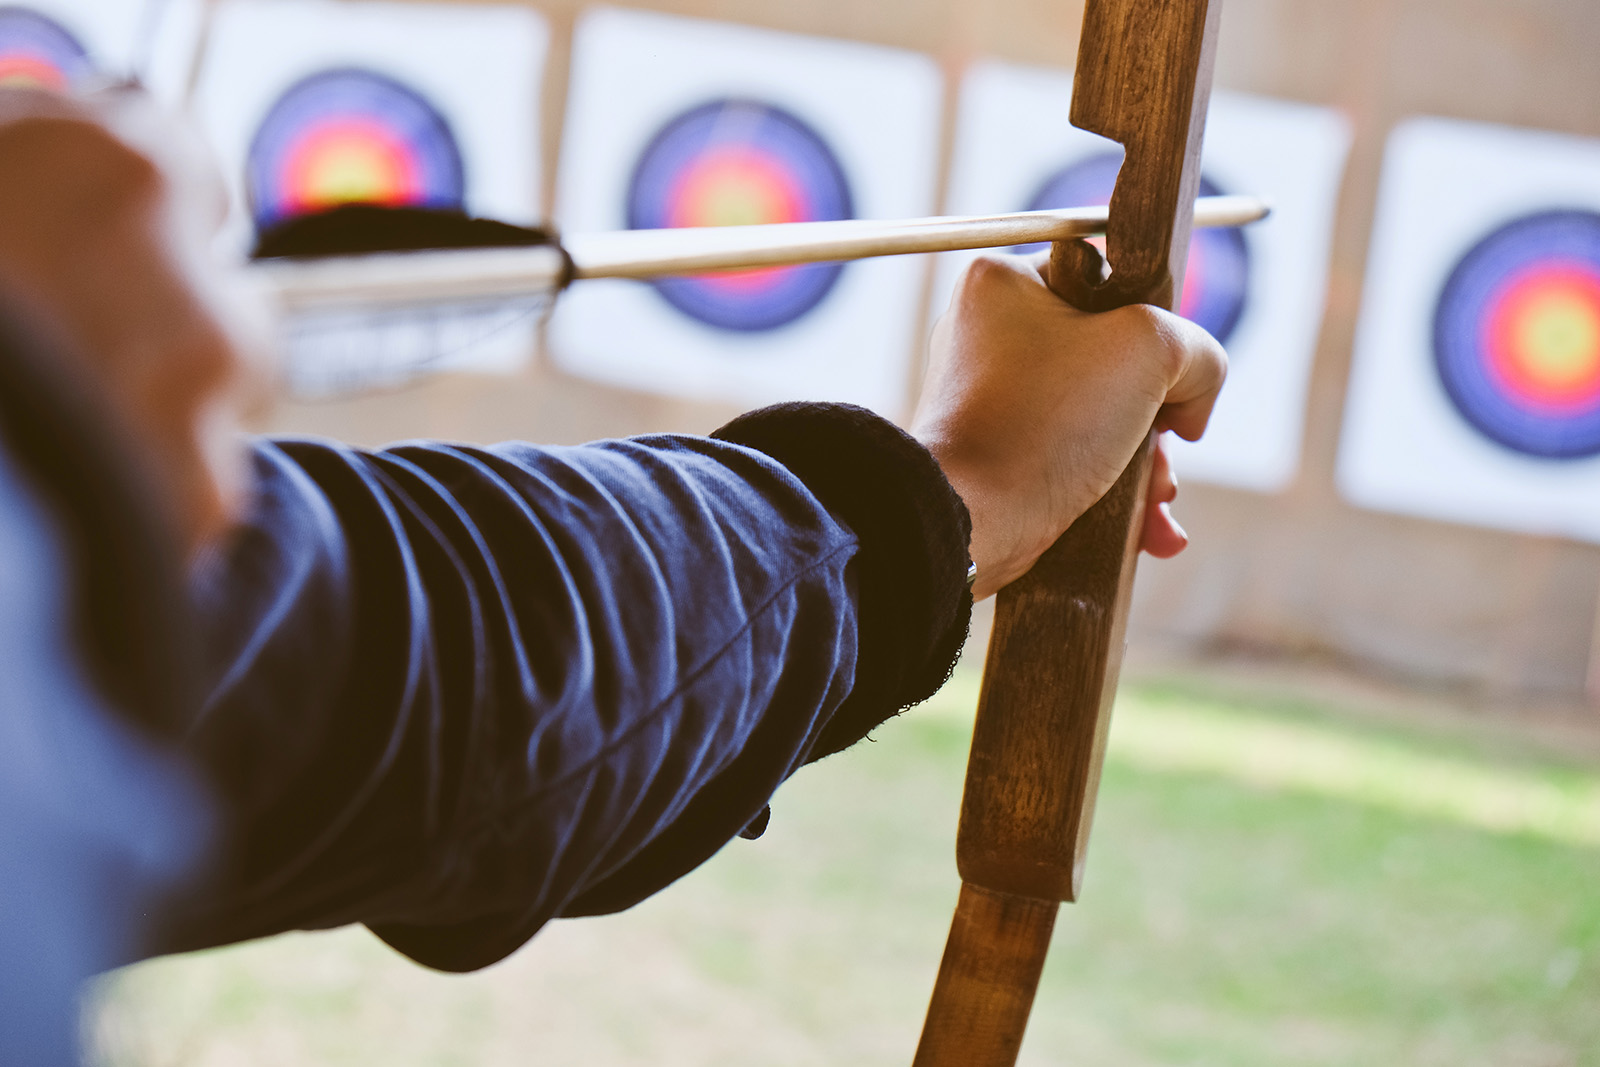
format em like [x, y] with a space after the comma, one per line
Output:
[1177, 527]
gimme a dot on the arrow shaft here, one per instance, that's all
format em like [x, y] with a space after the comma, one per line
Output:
[479, 274]
[650, 253]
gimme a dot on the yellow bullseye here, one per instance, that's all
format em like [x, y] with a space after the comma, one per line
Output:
[736, 201]
[349, 163]
[352, 174]
[731, 189]
[1557, 340]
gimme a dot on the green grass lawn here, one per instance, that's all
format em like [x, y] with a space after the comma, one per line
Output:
[1270, 883]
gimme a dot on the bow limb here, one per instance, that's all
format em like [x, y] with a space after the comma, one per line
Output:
[1143, 79]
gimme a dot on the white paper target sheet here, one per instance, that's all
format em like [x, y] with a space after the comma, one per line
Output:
[314, 103]
[1475, 387]
[682, 122]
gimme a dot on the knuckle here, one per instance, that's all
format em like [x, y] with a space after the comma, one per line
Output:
[1159, 334]
[983, 273]
[1218, 362]
[1143, 320]
[992, 274]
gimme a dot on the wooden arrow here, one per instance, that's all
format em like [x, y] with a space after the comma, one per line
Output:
[432, 277]
[1143, 79]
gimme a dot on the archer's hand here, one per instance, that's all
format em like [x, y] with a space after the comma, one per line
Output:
[108, 209]
[1033, 409]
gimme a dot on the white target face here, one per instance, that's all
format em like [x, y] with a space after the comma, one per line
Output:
[740, 125]
[1261, 290]
[1475, 386]
[313, 103]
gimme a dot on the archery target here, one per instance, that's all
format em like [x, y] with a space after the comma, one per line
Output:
[38, 52]
[68, 45]
[1516, 335]
[315, 103]
[351, 136]
[744, 126]
[1217, 280]
[1475, 387]
[1261, 290]
[740, 162]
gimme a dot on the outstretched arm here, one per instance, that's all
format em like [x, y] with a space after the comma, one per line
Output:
[459, 691]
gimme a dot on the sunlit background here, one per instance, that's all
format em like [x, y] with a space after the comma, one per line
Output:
[1352, 807]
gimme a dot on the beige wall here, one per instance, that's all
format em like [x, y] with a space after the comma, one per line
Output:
[1298, 571]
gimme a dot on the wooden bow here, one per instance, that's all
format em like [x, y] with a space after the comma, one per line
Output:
[1143, 79]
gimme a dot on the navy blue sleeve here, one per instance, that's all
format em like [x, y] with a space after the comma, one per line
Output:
[102, 829]
[459, 691]
[97, 824]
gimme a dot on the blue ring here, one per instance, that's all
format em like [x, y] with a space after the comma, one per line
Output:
[795, 146]
[1225, 252]
[1460, 333]
[27, 31]
[355, 93]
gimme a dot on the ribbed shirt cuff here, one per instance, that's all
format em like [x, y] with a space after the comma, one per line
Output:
[914, 530]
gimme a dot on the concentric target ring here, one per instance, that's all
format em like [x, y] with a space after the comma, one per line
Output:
[739, 161]
[1516, 335]
[1216, 283]
[38, 52]
[352, 136]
